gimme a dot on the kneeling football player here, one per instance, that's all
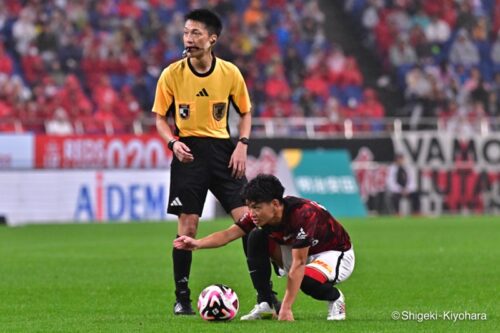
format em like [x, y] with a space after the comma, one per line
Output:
[300, 236]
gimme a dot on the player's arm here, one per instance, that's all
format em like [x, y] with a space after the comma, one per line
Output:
[295, 276]
[217, 239]
[163, 128]
[238, 159]
[245, 125]
[181, 151]
[164, 101]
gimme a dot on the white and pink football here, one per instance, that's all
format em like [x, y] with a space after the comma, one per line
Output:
[218, 303]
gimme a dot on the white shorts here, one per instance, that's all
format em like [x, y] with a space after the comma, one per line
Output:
[335, 265]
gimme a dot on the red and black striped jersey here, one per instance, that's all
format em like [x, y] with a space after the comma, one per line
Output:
[304, 223]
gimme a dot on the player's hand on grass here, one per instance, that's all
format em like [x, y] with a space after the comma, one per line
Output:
[286, 315]
[238, 161]
[185, 243]
[182, 152]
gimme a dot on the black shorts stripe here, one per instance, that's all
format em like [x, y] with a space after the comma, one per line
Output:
[337, 267]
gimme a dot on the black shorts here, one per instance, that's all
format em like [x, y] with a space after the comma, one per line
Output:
[189, 182]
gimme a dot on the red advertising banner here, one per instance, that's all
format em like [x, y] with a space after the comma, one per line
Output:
[95, 151]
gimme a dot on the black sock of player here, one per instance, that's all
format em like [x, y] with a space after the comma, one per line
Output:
[259, 265]
[320, 291]
[182, 266]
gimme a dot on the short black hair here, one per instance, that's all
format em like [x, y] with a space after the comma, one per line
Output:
[263, 188]
[211, 20]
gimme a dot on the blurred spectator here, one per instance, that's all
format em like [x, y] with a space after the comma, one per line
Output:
[496, 15]
[24, 30]
[370, 17]
[276, 84]
[437, 31]
[480, 94]
[32, 65]
[418, 85]
[465, 17]
[127, 108]
[463, 51]
[372, 111]
[335, 60]
[6, 64]
[129, 9]
[460, 123]
[401, 184]
[59, 124]
[423, 48]
[295, 67]
[495, 86]
[350, 75]
[47, 42]
[72, 98]
[334, 114]
[480, 29]
[402, 53]
[495, 51]
[253, 13]
[317, 84]
[108, 122]
[277, 109]
[70, 55]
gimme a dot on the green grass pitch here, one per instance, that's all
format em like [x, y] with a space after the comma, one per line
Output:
[118, 278]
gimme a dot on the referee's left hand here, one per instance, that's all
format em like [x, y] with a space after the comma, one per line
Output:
[182, 152]
[238, 161]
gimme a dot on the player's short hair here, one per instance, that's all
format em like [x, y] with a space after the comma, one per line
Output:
[263, 188]
[211, 20]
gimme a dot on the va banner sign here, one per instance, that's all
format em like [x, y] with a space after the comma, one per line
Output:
[327, 178]
[455, 174]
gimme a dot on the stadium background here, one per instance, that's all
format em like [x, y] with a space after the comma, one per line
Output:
[370, 77]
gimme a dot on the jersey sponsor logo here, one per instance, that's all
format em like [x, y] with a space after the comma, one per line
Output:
[219, 110]
[176, 202]
[184, 111]
[301, 235]
[202, 93]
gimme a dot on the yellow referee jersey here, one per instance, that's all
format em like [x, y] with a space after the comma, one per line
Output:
[201, 101]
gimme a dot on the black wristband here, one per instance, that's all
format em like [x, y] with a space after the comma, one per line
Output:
[171, 144]
[244, 140]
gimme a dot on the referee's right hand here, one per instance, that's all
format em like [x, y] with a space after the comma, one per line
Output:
[182, 152]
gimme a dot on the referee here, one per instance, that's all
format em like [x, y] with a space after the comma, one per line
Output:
[197, 91]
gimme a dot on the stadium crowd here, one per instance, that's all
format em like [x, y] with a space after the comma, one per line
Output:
[71, 66]
[89, 66]
[445, 55]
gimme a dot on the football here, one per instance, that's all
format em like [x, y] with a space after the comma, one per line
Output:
[218, 303]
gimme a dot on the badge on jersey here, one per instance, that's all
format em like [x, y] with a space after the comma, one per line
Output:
[219, 110]
[184, 111]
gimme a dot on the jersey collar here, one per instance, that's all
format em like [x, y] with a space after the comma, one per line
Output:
[212, 67]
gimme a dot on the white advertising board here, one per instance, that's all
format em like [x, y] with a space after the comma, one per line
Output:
[57, 196]
[17, 151]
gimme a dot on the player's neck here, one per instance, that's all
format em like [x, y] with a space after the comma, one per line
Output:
[202, 64]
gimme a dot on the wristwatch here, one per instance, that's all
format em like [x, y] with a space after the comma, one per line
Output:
[244, 140]
[171, 144]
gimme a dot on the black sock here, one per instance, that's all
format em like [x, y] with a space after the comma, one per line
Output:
[259, 265]
[182, 266]
[320, 291]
